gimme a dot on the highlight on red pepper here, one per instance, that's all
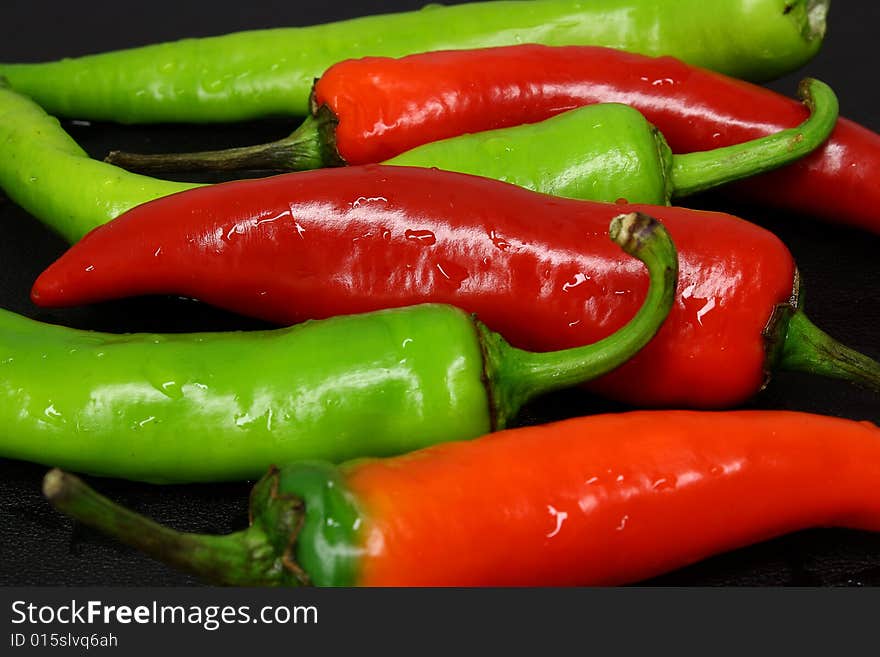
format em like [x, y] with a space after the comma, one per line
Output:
[222, 406]
[538, 269]
[369, 110]
[602, 500]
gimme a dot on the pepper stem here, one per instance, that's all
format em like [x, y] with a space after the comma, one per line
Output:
[311, 146]
[807, 348]
[695, 172]
[817, 19]
[516, 376]
[245, 558]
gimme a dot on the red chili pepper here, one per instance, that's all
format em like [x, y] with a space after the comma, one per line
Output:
[387, 106]
[537, 268]
[615, 498]
[608, 499]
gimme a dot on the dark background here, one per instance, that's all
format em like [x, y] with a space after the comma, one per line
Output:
[40, 547]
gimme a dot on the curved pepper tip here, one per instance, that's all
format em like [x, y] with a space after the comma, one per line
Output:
[46, 292]
[74, 279]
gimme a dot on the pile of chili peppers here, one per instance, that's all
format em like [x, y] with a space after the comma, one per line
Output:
[507, 175]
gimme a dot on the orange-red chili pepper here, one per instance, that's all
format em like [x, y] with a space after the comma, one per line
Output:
[608, 499]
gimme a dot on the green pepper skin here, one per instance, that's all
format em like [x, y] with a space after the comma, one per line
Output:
[314, 524]
[222, 406]
[270, 72]
[603, 152]
[330, 540]
[47, 173]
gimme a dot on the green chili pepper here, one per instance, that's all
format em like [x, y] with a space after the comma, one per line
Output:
[607, 152]
[221, 406]
[46, 172]
[270, 72]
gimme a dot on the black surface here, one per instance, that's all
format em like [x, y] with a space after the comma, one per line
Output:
[39, 547]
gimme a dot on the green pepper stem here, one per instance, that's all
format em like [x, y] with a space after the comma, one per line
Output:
[695, 172]
[310, 146]
[239, 559]
[516, 376]
[807, 348]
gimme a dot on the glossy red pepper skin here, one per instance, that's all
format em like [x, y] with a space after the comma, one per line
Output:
[538, 268]
[610, 499]
[387, 106]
